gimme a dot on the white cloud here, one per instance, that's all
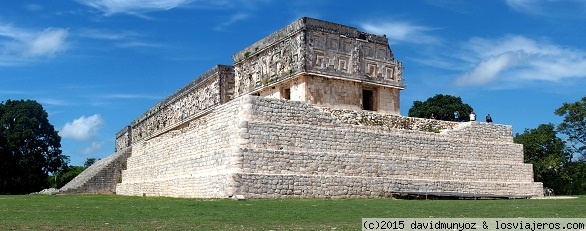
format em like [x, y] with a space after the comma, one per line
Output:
[83, 128]
[402, 32]
[552, 8]
[20, 45]
[518, 59]
[47, 43]
[95, 146]
[134, 7]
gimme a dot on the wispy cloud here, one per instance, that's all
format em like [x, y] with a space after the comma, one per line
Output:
[524, 5]
[402, 32]
[133, 7]
[233, 19]
[13, 92]
[108, 34]
[47, 43]
[518, 59]
[552, 8]
[33, 7]
[23, 45]
[83, 128]
[54, 102]
[121, 39]
[129, 96]
[134, 44]
[94, 146]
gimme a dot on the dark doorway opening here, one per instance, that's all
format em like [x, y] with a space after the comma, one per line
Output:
[368, 100]
[287, 94]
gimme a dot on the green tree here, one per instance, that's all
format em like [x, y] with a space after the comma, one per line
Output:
[89, 162]
[574, 125]
[574, 178]
[548, 155]
[29, 147]
[442, 106]
[67, 174]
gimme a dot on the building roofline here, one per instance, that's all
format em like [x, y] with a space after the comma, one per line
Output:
[306, 23]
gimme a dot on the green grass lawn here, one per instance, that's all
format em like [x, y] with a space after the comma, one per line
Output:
[111, 212]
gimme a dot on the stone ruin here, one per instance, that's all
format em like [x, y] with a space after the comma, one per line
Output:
[311, 111]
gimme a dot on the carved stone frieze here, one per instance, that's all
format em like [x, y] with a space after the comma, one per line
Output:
[312, 46]
[271, 64]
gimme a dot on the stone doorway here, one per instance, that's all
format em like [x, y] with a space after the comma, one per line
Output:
[368, 100]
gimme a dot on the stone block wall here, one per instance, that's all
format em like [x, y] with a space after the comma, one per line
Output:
[195, 160]
[269, 148]
[295, 150]
[333, 92]
[389, 100]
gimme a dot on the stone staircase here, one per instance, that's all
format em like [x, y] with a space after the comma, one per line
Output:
[101, 177]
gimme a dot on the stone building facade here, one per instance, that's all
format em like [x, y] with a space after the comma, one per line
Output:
[312, 110]
[323, 64]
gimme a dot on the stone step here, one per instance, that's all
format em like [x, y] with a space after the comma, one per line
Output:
[100, 177]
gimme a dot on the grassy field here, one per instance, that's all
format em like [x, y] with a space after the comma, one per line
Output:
[111, 212]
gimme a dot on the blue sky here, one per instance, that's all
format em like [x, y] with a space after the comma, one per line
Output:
[95, 65]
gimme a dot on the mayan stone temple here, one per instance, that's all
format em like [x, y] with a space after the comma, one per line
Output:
[310, 111]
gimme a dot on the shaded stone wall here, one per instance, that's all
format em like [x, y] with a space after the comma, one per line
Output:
[123, 138]
[333, 92]
[389, 100]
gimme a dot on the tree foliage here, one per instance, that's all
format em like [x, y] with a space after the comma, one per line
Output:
[63, 176]
[89, 161]
[442, 106]
[68, 172]
[575, 178]
[574, 125]
[547, 153]
[29, 147]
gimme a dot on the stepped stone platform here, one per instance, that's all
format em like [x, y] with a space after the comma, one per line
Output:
[269, 148]
[100, 177]
[310, 111]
